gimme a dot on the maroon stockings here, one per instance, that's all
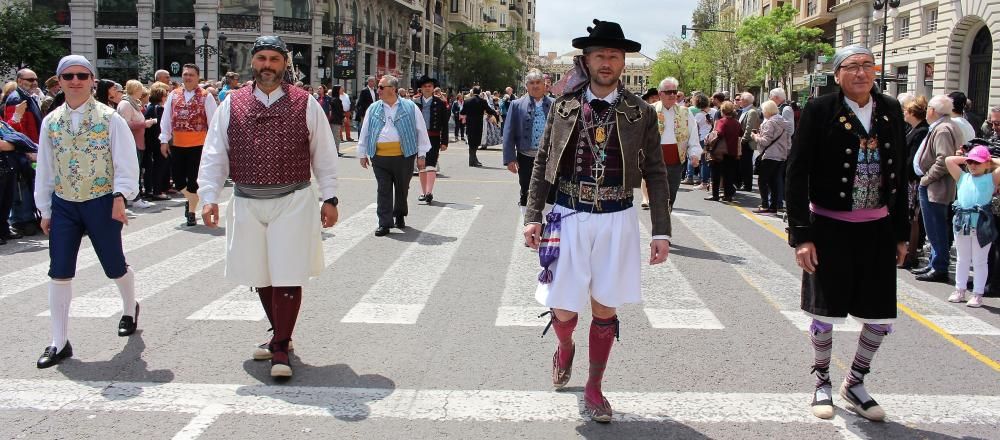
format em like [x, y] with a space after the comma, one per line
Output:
[281, 304]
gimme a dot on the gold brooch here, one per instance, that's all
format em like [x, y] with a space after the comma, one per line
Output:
[843, 119]
[848, 125]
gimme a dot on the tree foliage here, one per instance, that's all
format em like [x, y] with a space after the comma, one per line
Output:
[706, 14]
[708, 61]
[775, 40]
[31, 40]
[481, 59]
[682, 60]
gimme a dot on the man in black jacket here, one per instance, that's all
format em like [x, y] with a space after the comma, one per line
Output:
[456, 110]
[435, 113]
[366, 97]
[474, 110]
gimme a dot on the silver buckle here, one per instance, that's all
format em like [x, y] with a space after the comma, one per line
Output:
[588, 193]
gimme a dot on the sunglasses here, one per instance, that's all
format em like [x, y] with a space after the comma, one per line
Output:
[994, 123]
[669, 92]
[384, 87]
[82, 76]
[29, 79]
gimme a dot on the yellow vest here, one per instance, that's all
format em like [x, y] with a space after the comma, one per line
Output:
[83, 162]
[681, 133]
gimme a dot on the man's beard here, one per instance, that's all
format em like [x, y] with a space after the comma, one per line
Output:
[257, 76]
[595, 77]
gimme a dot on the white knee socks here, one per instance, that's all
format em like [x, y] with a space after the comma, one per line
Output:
[126, 286]
[60, 295]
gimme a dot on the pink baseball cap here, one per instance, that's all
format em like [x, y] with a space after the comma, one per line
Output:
[978, 154]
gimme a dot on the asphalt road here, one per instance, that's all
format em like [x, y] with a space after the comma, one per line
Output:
[433, 333]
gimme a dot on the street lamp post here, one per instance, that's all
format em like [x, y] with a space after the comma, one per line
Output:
[881, 5]
[205, 50]
[415, 30]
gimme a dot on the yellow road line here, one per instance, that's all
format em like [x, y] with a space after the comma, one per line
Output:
[909, 312]
[440, 180]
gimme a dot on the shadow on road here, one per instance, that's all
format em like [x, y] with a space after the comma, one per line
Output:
[700, 254]
[125, 366]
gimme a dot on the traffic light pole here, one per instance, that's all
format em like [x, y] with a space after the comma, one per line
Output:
[685, 28]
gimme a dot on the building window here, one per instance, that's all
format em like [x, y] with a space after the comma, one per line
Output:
[879, 36]
[811, 7]
[902, 79]
[932, 20]
[454, 6]
[903, 27]
[848, 36]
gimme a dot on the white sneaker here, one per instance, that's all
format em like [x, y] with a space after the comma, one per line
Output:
[142, 204]
[957, 297]
[975, 301]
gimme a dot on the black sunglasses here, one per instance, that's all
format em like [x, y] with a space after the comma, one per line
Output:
[29, 79]
[382, 87]
[669, 92]
[82, 76]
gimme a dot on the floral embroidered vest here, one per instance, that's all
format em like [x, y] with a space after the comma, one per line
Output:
[83, 162]
[189, 119]
[681, 132]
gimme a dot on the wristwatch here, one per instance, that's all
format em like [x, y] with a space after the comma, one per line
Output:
[118, 194]
[333, 201]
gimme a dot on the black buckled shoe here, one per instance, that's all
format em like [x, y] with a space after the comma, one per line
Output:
[52, 357]
[400, 222]
[191, 219]
[381, 231]
[128, 324]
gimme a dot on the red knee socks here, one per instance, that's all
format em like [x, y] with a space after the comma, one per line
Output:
[602, 335]
[285, 304]
[265, 294]
[564, 332]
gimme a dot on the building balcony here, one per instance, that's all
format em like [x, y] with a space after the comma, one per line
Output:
[117, 19]
[239, 22]
[174, 20]
[295, 25]
[411, 4]
[815, 20]
[725, 5]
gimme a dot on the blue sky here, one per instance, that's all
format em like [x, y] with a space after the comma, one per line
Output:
[647, 21]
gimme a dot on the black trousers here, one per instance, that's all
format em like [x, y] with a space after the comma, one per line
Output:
[184, 162]
[153, 166]
[524, 166]
[771, 182]
[724, 172]
[745, 173]
[993, 281]
[7, 188]
[674, 180]
[459, 128]
[392, 175]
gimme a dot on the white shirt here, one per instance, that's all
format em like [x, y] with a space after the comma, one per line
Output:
[704, 126]
[389, 133]
[968, 133]
[346, 100]
[125, 163]
[923, 145]
[669, 137]
[864, 114]
[789, 115]
[215, 155]
[166, 123]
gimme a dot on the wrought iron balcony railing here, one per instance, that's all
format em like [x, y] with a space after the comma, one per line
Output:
[239, 22]
[333, 28]
[174, 19]
[296, 25]
[381, 40]
[370, 37]
[118, 19]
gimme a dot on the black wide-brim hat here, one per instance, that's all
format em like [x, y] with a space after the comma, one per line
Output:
[651, 92]
[424, 80]
[606, 34]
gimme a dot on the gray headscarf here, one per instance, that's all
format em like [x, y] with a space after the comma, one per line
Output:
[845, 52]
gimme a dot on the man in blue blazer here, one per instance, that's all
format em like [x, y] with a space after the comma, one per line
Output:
[523, 130]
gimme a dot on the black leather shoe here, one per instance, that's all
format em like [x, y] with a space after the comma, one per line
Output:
[476, 164]
[934, 277]
[429, 198]
[191, 219]
[712, 199]
[921, 270]
[128, 324]
[50, 357]
[10, 235]
[381, 231]
[400, 222]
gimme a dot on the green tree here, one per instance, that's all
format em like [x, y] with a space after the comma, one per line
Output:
[708, 61]
[775, 40]
[486, 60]
[36, 46]
[706, 14]
[683, 60]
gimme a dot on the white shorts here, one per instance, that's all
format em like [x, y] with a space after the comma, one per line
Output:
[274, 242]
[598, 257]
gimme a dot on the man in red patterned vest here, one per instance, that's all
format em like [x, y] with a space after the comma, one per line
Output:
[268, 138]
[188, 111]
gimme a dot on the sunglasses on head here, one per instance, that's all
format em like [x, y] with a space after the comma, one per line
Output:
[82, 76]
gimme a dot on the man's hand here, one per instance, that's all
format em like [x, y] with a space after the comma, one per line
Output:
[805, 257]
[46, 223]
[444, 147]
[659, 250]
[6, 146]
[421, 163]
[118, 210]
[364, 162]
[32, 156]
[900, 253]
[19, 109]
[512, 166]
[533, 235]
[328, 214]
[165, 150]
[210, 214]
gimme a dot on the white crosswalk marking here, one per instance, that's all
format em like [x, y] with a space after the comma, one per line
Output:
[778, 286]
[400, 294]
[37, 274]
[517, 305]
[242, 304]
[948, 317]
[668, 298]
[105, 302]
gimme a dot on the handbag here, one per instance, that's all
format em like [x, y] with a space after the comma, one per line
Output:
[760, 158]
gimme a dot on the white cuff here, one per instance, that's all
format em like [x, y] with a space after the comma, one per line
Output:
[661, 237]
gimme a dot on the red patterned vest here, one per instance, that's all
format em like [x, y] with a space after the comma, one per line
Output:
[189, 119]
[269, 145]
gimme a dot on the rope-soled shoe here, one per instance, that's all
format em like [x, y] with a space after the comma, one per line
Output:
[280, 364]
[598, 412]
[868, 409]
[822, 404]
[263, 353]
[560, 376]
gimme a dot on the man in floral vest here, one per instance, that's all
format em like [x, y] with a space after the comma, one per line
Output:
[186, 116]
[86, 170]
[678, 134]
[268, 138]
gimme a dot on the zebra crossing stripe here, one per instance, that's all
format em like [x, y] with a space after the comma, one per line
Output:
[517, 305]
[205, 402]
[950, 318]
[106, 301]
[242, 304]
[777, 286]
[36, 275]
[668, 298]
[400, 294]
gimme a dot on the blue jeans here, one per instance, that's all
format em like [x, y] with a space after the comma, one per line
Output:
[23, 210]
[936, 224]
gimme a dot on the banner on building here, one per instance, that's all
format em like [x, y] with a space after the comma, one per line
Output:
[345, 57]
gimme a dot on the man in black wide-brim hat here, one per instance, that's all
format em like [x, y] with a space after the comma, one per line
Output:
[436, 114]
[600, 141]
